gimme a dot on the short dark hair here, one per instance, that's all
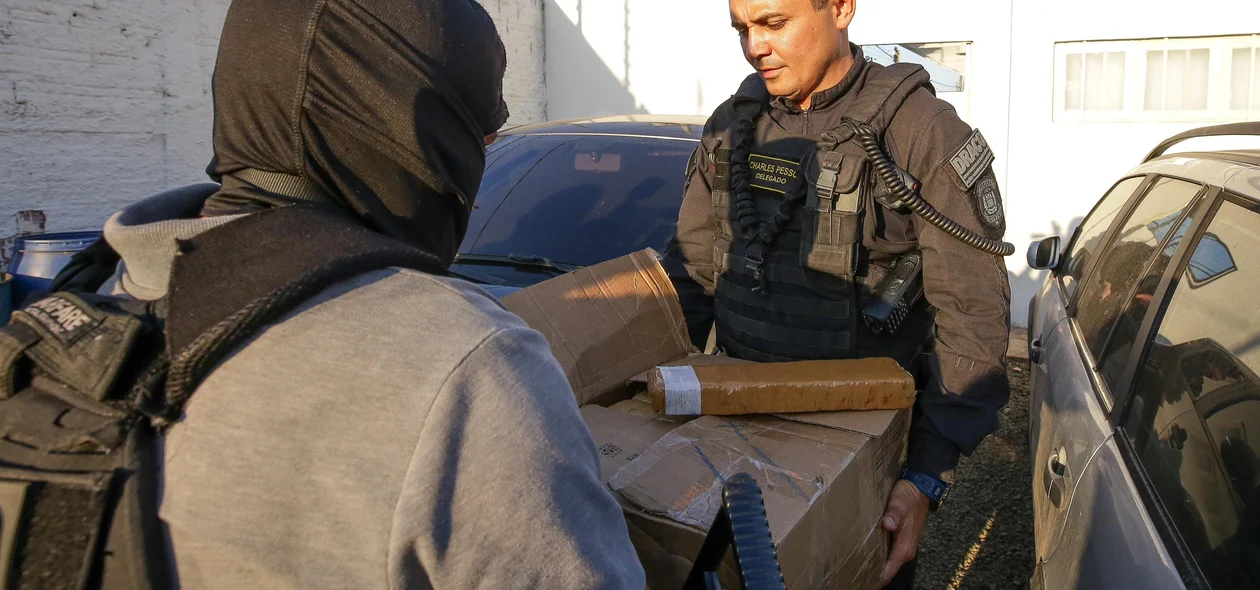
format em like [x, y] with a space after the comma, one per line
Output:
[819, 4]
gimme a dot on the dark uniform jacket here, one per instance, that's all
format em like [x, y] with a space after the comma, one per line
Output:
[962, 368]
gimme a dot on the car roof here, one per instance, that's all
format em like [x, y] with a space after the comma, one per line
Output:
[685, 127]
[1237, 171]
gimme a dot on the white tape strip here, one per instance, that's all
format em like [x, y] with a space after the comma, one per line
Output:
[682, 391]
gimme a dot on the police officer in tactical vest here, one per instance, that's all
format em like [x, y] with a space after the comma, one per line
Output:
[837, 209]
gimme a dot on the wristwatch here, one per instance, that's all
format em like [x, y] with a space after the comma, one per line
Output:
[933, 488]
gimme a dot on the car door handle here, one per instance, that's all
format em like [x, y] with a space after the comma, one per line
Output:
[1056, 468]
[1034, 351]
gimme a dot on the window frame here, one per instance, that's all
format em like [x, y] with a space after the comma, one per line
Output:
[1147, 181]
[1192, 208]
[1205, 212]
[1136, 50]
[1108, 400]
[1191, 574]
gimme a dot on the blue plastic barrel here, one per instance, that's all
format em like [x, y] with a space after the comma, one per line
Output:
[38, 258]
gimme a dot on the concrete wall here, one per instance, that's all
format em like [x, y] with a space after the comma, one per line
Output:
[102, 102]
[520, 24]
[106, 101]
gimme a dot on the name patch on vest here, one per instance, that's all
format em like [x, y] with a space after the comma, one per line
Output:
[771, 173]
[62, 317]
[972, 159]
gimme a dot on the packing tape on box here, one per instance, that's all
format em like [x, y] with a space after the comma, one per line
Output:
[682, 391]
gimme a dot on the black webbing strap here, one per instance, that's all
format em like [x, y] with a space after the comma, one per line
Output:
[233, 279]
[886, 89]
[296, 187]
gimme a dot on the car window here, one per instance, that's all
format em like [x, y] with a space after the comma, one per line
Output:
[589, 199]
[508, 160]
[1168, 231]
[1091, 232]
[1123, 263]
[1195, 418]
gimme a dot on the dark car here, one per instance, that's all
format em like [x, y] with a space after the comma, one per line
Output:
[1145, 349]
[566, 194]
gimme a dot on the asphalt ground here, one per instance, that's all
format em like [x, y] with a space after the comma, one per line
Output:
[982, 537]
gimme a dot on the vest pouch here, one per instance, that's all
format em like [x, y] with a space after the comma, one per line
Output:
[58, 462]
[831, 227]
[52, 526]
[724, 213]
[723, 209]
[721, 255]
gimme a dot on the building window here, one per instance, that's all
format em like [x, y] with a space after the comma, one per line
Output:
[1094, 81]
[1244, 75]
[1197, 79]
[947, 63]
[1177, 80]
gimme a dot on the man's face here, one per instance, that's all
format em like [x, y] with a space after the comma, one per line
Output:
[792, 45]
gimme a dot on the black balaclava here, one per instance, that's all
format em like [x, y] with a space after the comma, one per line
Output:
[382, 105]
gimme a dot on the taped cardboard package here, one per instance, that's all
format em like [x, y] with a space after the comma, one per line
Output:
[825, 476]
[607, 323]
[622, 435]
[767, 388]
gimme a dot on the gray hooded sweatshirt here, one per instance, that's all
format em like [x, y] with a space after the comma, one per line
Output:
[398, 430]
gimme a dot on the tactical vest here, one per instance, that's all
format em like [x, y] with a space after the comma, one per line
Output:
[89, 382]
[798, 299]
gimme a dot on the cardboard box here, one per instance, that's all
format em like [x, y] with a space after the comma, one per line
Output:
[825, 475]
[620, 436]
[767, 388]
[825, 486]
[608, 322]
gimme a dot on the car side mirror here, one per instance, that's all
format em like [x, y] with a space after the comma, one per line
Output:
[1044, 253]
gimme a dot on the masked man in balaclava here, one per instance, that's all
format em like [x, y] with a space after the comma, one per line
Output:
[401, 428]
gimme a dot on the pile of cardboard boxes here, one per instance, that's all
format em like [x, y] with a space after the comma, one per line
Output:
[825, 476]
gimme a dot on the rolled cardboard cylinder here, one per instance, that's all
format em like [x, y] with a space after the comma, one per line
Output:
[772, 388]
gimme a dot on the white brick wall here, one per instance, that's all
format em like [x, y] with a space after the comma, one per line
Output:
[520, 24]
[106, 101]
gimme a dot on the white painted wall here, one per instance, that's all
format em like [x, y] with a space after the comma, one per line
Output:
[103, 102]
[683, 58]
[1056, 171]
[639, 56]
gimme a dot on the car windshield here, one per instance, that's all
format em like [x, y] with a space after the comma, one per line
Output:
[578, 199]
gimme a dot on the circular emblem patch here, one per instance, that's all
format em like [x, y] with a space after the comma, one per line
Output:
[988, 202]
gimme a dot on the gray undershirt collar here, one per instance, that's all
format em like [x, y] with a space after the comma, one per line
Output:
[146, 234]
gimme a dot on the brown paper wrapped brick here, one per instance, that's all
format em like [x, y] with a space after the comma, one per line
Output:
[772, 388]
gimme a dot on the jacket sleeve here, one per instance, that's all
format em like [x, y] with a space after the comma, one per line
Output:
[689, 254]
[967, 383]
[504, 487]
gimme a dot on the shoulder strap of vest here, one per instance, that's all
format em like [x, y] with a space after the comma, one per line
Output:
[886, 89]
[229, 281]
[753, 97]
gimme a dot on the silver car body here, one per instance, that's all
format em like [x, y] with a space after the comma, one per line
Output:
[1092, 528]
